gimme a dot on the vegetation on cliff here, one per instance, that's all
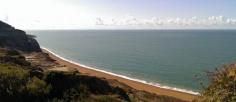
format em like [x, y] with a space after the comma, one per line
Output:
[16, 39]
[222, 87]
[22, 81]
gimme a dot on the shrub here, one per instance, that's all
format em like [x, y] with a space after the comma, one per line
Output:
[107, 99]
[21, 82]
[13, 53]
[12, 81]
[222, 86]
[37, 87]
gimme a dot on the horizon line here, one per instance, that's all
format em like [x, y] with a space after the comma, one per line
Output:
[137, 29]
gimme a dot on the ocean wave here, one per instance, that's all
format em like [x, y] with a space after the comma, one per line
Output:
[123, 76]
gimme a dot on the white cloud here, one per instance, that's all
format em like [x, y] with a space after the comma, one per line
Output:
[4, 17]
[44, 14]
[155, 22]
[54, 14]
[99, 21]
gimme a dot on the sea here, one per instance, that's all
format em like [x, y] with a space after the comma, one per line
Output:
[173, 59]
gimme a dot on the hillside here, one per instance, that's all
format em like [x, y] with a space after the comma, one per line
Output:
[16, 39]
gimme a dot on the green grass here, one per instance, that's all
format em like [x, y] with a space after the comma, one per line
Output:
[13, 70]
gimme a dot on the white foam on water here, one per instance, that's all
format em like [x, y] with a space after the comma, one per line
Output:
[123, 76]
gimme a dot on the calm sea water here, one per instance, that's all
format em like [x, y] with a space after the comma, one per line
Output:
[168, 57]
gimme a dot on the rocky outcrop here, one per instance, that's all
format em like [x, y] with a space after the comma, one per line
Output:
[16, 39]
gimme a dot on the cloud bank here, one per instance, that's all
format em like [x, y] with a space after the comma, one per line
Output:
[155, 22]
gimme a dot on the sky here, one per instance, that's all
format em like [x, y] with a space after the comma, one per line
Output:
[119, 14]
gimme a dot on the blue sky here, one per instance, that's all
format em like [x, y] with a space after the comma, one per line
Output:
[118, 14]
[166, 8]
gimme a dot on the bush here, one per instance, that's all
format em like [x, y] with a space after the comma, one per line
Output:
[21, 82]
[19, 60]
[16, 85]
[37, 87]
[107, 99]
[222, 86]
[12, 82]
[13, 53]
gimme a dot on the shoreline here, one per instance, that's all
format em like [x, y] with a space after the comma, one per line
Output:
[134, 83]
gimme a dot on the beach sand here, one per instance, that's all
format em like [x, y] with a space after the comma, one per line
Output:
[131, 83]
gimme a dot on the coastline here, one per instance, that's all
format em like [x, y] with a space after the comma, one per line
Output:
[134, 83]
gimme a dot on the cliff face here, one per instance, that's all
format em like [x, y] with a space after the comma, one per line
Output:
[15, 39]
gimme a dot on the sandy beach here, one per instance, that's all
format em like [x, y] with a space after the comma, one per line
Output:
[131, 83]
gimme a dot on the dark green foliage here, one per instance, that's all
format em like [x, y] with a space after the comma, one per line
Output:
[16, 39]
[107, 99]
[21, 82]
[12, 78]
[2, 41]
[18, 86]
[65, 86]
[31, 36]
[18, 60]
[222, 86]
[37, 87]
[81, 86]
[13, 53]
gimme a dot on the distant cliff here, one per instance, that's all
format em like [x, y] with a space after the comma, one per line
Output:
[16, 39]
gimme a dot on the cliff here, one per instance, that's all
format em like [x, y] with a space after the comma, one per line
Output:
[16, 39]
